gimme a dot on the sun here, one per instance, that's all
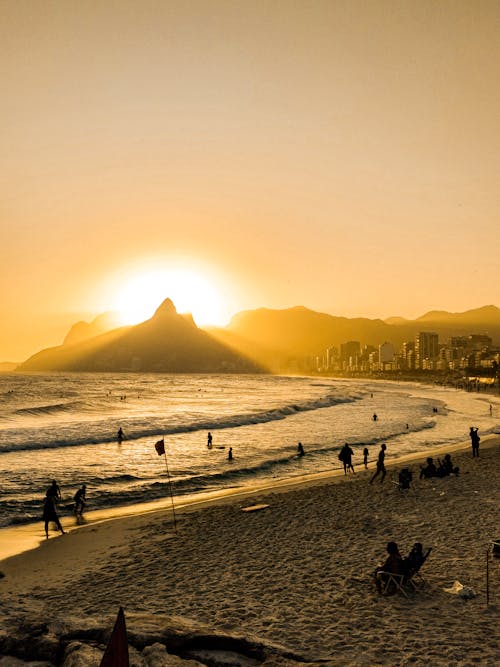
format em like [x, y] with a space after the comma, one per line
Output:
[190, 291]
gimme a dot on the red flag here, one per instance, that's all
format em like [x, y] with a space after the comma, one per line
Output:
[116, 654]
[160, 447]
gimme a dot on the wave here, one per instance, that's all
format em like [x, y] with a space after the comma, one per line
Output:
[41, 410]
[161, 427]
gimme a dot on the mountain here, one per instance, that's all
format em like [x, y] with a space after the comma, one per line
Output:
[7, 366]
[254, 340]
[168, 342]
[278, 338]
[485, 316]
[84, 330]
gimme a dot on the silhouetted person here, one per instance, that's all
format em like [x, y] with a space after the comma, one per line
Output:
[120, 434]
[374, 417]
[50, 514]
[430, 469]
[416, 558]
[446, 467]
[230, 454]
[345, 456]
[404, 478]
[300, 449]
[380, 465]
[80, 500]
[209, 440]
[54, 491]
[474, 439]
[393, 564]
[365, 457]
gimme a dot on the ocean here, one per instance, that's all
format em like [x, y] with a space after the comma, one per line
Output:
[64, 427]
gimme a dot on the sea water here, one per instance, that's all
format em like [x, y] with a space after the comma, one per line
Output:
[64, 427]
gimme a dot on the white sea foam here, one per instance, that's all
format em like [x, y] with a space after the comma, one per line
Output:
[64, 427]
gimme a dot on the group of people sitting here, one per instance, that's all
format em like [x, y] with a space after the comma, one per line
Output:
[443, 469]
[396, 564]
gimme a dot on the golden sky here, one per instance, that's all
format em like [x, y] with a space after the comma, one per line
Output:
[342, 155]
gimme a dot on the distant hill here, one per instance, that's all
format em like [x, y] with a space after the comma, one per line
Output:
[8, 366]
[168, 342]
[277, 340]
[484, 317]
[278, 337]
[84, 330]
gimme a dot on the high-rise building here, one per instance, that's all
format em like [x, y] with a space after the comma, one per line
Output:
[349, 353]
[408, 355]
[426, 349]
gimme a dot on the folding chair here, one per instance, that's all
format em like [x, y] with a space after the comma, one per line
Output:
[410, 581]
[391, 583]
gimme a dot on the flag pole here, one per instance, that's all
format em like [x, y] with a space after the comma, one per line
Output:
[170, 487]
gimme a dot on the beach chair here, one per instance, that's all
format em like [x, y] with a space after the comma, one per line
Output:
[408, 582]
[404, 480]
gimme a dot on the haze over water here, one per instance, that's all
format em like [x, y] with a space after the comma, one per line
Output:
[64, 427]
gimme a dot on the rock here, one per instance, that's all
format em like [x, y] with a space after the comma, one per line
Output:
[78, 654]
[157, 656]
[10, 661]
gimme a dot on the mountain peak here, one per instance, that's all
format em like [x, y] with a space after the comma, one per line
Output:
[165, 309]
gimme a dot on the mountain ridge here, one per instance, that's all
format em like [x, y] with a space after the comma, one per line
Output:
[254, 340]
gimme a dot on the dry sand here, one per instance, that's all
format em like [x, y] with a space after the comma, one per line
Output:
[297, 573]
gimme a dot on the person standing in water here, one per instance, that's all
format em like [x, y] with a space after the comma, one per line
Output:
[209, 440]
[54, 491]
[120, 436]
[380, 464]
[80, 500]
[50, 509]
[230, 454]
[300, 450]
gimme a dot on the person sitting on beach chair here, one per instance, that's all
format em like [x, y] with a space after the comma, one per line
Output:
[430, 469]
[389, 580]
[387, 574]
[416, 558]
[413, 562]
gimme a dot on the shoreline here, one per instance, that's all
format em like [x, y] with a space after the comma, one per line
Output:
[289, 585]
[16, 540]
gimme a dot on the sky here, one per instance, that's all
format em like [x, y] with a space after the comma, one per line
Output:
[341, 155]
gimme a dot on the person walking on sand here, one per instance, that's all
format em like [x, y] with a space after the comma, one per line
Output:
[300, 450]
[345, 456]
[209, 440]
[50, 514]
[474, 438]
[230, 454]
[80, 500]
[365, 458]
[380, 465]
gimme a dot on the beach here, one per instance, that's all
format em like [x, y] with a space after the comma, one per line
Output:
[290, 583]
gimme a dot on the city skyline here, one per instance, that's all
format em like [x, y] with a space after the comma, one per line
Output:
[343, 156]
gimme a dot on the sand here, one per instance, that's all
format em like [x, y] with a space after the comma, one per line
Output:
[295, 575]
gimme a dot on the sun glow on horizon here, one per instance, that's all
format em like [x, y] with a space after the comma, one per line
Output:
[190, 291]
